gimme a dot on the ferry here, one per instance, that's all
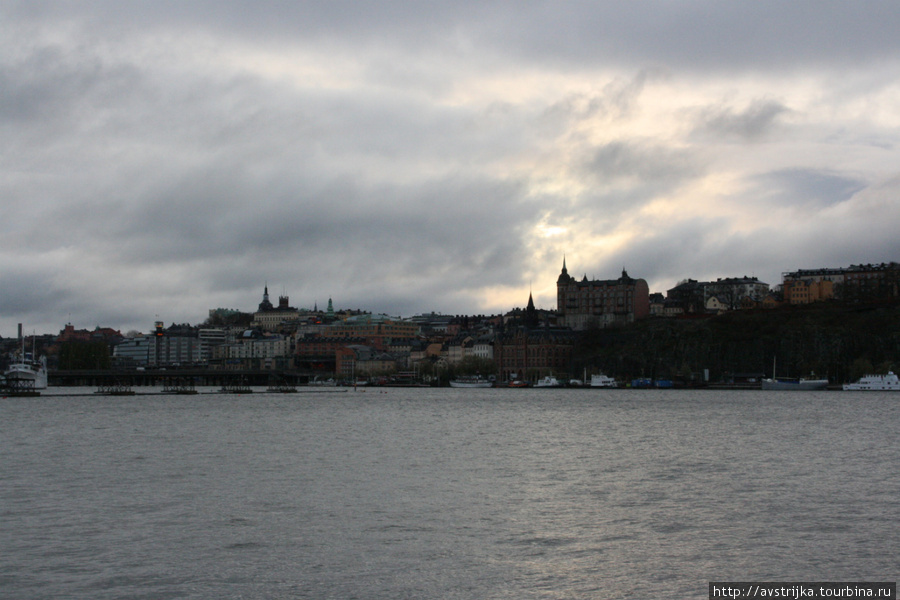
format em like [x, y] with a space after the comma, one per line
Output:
[471, 382]
[27, 372]
[876, 383]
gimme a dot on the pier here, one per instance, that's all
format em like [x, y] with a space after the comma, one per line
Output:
[182, 379]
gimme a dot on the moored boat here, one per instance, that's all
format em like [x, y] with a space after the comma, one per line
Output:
[792, 384]
[801, 384]
[603, 381]
[27, 372]
[471, 382]
[548, 381]
[875, 383]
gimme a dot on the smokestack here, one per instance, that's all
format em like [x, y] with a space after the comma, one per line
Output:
[21, 337]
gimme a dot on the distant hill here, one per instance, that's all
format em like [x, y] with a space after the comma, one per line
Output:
[836, 340]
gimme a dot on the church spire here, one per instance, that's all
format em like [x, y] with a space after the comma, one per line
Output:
[563, 278]
[531, 316]
[265, 304]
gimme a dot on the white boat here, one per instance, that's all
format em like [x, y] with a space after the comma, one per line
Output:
[27, 373]
[471, 382]
[603, 381]
[548, 381]
[876, 383]
[794, 384]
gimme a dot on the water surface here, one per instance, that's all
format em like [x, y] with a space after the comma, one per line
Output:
[421, 493]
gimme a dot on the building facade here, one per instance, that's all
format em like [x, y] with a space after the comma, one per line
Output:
[275, 318]
[529, 354]
[732, 291]
[871, 282]
[377, 330]
[856, 283]
[801, 291]
[602, 302]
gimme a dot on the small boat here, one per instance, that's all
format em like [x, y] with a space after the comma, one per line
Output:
[603, 381]
[548, 382]
[876, 383]
[473, 381]
[788, 383]
[518, 383]
[794, 384]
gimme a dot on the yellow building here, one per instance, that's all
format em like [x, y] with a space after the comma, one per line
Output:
[804, 291]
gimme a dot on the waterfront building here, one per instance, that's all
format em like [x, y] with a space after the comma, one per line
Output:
[358, 360]
[318, 353]
[255, 351]
[133, 351]
[530, 353]
[164, 348]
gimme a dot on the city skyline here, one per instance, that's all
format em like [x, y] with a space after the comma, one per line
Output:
[163, 158]
[283, 301]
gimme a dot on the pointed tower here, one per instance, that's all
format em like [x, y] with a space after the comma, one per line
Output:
[265, 304]
[563, 285]
[531, 316]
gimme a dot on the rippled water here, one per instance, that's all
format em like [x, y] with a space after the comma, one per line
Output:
[445, 493]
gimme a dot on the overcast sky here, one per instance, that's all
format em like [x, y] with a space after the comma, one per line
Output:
[158, 159]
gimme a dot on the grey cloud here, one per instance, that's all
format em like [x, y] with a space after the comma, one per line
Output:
[814, 188]
[646, 162]
[751, 123]
[695, 36]
[703, 35]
